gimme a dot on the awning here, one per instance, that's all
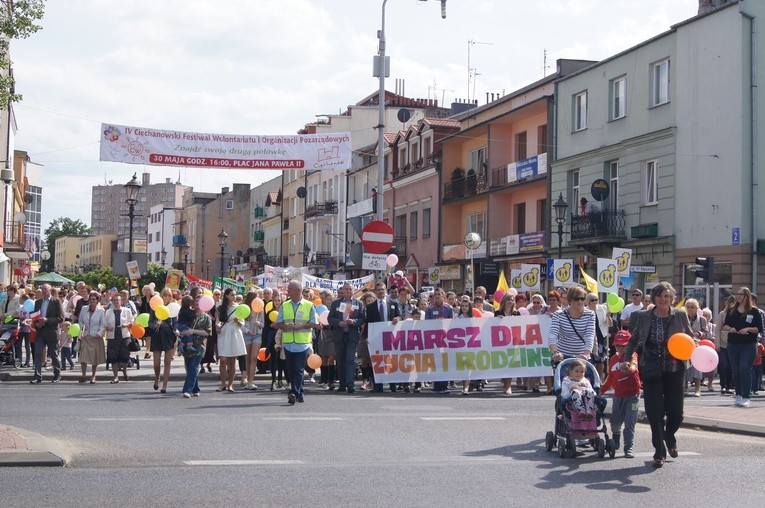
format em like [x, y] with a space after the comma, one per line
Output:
[3, 257]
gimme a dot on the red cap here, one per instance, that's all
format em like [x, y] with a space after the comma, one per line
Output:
[621, 338]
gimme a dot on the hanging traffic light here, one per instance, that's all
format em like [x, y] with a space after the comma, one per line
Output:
[708, 269]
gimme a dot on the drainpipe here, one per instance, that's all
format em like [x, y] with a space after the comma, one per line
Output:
[753, 139]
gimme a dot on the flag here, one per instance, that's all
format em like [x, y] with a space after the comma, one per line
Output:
[501, 286]
[680, 304]
[592, 284]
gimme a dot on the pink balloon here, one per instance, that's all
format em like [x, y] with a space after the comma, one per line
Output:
[704, 359]
[523, 311]
[206, 303]
[323, 318]
[498, 295]
[513, 292]
[487, 314]
[391, 260]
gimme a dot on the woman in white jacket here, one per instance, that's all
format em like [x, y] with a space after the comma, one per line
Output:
[118, 321]
[91, 343]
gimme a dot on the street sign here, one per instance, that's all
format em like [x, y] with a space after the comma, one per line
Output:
[374, 262]
[377, 237]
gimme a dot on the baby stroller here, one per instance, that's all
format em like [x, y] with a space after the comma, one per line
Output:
[9, 335]
[572, 425]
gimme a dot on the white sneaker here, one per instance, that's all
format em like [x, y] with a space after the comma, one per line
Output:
[744, 402]
[738, 400]
[186, 395]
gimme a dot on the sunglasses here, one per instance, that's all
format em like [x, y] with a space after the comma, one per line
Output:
[578, 298]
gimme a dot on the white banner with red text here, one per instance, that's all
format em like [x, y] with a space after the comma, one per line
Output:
[460, 349]
[140, 145]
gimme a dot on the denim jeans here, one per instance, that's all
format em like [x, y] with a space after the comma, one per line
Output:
[625, 412]
[39, 360]
[741, 359]
[724, 370]
[756, 378]
[66, 357]
[345, 352]
[295, 371]
[191, 385]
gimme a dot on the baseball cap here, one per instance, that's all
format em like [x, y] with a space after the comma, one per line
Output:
[399, 273]
[621, 338]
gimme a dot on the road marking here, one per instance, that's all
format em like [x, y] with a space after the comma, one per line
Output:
[305, 418]
[417, 408]
[127, 419]
[242, 462]
[461, 418]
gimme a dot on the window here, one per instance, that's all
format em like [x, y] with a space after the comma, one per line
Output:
[520, 218]
[477, 159]
[413, 217]
[542, 139]
[477, 224]
[574, 204]
[427, 146]
[541, 214]
[651, 183]
[660, 83]
[618, 96]
[580, 111]
[426, 222]
[613, 180]
[400, 226]
[415, 152]
[520, 146]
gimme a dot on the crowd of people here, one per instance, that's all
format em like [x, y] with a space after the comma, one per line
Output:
[284, 329]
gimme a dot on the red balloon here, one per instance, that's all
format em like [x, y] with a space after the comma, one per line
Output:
[706, 342]
[477, 313]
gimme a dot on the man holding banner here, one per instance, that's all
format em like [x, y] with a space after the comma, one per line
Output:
[346, 315]
[439, 309]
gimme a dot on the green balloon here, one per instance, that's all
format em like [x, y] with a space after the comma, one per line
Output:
[8, 319]
[612, 299]
[142, 319]
[617, 307]
[74, 330]
[242, 311]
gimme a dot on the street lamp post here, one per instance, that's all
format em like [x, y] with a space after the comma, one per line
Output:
[560, 207]
[381, 70]
[131, 189]
[222, 239]
[186, 248]
[163, 253]
[207, 269]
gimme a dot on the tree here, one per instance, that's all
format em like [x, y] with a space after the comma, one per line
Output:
[17, 21]
[63, 226]
[102, 276]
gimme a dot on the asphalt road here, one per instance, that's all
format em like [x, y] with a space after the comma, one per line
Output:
[130, 446]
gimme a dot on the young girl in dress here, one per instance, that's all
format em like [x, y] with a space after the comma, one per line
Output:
[576, 390]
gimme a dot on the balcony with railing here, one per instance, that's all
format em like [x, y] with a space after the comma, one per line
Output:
[605, 227]
[272, 260]
[321, 209]
[316, 258]
[179, 240]
[14, 236]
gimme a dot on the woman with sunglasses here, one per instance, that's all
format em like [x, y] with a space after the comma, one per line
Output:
[743, 324]
[572, 332]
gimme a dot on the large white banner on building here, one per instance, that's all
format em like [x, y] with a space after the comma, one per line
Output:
[140, 145]
[459, 349]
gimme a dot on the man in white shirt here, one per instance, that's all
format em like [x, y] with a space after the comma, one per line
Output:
[637, 304]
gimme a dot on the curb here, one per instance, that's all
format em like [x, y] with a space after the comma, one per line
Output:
[39, 452]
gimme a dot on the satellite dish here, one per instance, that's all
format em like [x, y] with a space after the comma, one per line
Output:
[45, 255]
[301, 192]
[20, 217]
[472, 241]
[404, 115]
[326, 229]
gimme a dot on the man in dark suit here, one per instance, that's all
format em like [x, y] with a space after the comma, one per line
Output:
[346, 316]
[46, 325]
[382, 310]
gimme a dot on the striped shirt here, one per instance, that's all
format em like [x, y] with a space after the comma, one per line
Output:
[565, 337]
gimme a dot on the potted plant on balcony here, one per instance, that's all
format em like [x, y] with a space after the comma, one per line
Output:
[471, 182]
[458, 182]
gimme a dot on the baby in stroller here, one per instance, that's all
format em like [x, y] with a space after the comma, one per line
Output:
[576, 391]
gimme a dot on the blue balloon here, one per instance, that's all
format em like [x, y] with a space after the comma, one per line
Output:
[29, 305]
[321, 308]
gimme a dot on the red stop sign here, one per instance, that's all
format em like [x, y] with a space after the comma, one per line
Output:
[377, 237]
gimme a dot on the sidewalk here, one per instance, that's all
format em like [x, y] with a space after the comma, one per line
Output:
[19, 448]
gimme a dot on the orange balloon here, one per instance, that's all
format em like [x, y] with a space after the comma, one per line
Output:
[263, 355]
[138, 331]
[317, 301]
[257, 305]
[681, 346]
[155, 302]
[314, 361]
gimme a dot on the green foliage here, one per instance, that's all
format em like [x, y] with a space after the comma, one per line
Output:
[156, 274]
[61, 226]
[17, 21]
[102, 275]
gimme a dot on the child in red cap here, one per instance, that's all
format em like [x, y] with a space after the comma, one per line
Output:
[626, 394]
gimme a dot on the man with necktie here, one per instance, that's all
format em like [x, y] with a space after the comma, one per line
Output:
[382, 310]
[46, 323]
[346, 315]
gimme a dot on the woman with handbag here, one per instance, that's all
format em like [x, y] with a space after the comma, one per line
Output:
[118, 320]
[200, 331]
[91, 343]
[230, 340]
[662, 374]
[572, 331]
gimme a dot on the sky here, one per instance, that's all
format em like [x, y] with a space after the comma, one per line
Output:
[271, 66]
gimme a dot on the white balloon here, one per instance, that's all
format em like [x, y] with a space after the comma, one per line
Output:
[174, 308]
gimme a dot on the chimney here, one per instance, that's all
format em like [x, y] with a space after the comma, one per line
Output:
[487, 97]
[224, 191]
[710, 5]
